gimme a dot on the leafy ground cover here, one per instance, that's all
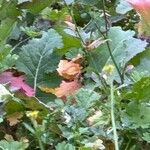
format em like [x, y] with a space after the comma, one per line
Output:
[74, 74]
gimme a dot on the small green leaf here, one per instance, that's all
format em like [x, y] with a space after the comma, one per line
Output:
[141, 89]
[73, 41]
[5, 28]
[146, 137]
[36, 5]
[88, 2]
[12, 145]
[86, 98]
[64, 146]
[136, 115]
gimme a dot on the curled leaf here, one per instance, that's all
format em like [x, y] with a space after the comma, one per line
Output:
[67, 88]
[95, 44]
[68, 69]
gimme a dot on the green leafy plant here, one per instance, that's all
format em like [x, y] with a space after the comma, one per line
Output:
[74, 74]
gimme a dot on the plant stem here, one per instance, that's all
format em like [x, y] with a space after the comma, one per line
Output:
[74, 21]
[113, 116]
[82, 41]
[40, 144]
[25, 40]
[107, 42]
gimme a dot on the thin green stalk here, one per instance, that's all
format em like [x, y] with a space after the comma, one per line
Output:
[107, 42]
[127, 147]
[82, 41]
[113, 116]
[21, 42]
[74, 21]
[37, 134]
[40, 144]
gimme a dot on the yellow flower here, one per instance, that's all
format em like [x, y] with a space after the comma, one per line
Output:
[108, 69]
[32, 114]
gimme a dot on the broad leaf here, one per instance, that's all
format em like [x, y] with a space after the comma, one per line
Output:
[38, 57]
[123, 46]
[123, 7]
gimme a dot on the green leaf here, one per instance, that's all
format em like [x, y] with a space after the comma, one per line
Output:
[141, 89]
[45, 97]
[5, 28]
[146, 137]
[136, 115]
[123, 7]
[85, 98]
[64, 146]
[54, 15]
[36, 5]
[73, 41]
[13, 106]
[7, 62]
[8, 9]
[88, 2]
[72, 53]
[77, 114]
[4, 51]
[142, 62]
[85, 148]
[123, 46]
[33, 103]
[12, 145]
[30, 128]
[38, 58]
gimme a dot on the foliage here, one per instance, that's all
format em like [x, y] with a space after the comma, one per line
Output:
[74, 74]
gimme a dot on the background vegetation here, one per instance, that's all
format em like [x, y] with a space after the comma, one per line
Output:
[74, 74]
